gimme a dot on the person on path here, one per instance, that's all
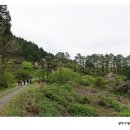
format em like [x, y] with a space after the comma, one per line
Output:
[18, 83]
[30, 82]
[24, 82]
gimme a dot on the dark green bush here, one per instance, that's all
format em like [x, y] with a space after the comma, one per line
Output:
[124, 88]
[77, 109]
[50, 109]
[59, 93]
[82, 99]
[55, 97]
[110, 103]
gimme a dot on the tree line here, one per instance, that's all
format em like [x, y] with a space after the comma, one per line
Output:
[99, 64]
[16, 52]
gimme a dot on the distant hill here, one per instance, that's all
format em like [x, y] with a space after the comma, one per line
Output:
[31, 52]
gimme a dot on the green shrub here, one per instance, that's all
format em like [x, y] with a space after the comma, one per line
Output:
[120, 78]
[82, 99]
[59, 93]
[73, 83]
[77, 109]
[7, 80]
[125, 113]
[100, 82]
[13, 112]
[87, 80]
[62, 75]
[50, 109]
[25, 71]
[54, 97]
[110, 103]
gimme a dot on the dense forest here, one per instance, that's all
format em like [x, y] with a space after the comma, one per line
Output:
[91, 85]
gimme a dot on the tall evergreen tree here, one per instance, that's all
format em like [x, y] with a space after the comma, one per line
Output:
[8, 45]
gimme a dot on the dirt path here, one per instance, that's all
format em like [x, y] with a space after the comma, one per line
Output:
[6, 98]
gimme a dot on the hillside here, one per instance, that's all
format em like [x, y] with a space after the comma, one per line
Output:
[77, 96]
[30, 51]
[90, 85]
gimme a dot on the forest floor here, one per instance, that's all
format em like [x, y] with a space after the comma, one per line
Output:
[8, 95]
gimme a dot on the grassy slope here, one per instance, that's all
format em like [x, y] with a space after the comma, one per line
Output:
[70, 99]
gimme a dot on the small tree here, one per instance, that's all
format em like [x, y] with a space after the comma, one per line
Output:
[25, 71]
[9, 47]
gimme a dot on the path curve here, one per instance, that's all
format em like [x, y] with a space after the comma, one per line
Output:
[6, 98]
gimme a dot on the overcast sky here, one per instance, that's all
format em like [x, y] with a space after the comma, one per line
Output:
[86, 29]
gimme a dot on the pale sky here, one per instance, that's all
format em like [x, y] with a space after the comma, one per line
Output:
[84, 29]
